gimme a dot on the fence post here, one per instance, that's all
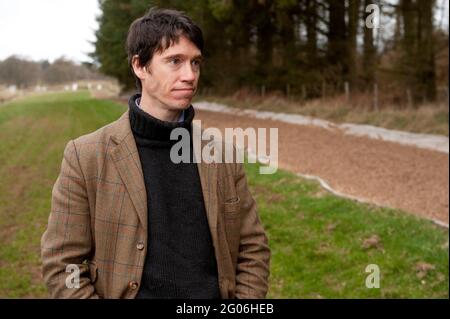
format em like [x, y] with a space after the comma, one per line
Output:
[375, 97]
[447, 96]
[409, 98]
[347, 92]
[303, 92]
[263, 90]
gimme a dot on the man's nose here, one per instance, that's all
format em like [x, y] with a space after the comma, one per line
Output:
[188, 73]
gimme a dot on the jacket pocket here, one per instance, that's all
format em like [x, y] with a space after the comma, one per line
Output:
[232, 207]
[231, 212]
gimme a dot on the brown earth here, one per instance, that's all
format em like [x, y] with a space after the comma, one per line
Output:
[385, 173]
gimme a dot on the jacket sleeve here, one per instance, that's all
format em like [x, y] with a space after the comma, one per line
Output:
[67, 239]
[254, 254]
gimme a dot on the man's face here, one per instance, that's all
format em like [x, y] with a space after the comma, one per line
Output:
[170, 80]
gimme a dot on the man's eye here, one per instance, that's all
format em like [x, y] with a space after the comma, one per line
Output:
[175, 61]
[197, 63]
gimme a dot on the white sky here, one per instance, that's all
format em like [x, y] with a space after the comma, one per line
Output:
[48, 29]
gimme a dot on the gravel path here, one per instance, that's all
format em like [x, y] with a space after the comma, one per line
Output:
[381, 172]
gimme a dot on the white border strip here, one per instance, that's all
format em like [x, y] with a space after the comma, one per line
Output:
[432, 142]
[326, 186]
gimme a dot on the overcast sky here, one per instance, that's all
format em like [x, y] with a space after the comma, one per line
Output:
[48, 29]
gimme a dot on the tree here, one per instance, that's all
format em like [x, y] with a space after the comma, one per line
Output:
[369, 58]
[19, 72]
[417, 61]
[426, 71]
[303, 45]
[353, 21]
[337, 42]
[110, 53]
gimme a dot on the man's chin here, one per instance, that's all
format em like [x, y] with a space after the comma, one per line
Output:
[181, 104]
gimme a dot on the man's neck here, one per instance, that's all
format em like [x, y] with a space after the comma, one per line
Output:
[157, 110]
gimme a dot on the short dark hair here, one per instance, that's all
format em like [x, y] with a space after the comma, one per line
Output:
[156, 31]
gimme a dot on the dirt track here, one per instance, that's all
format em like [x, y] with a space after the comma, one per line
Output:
[389, 174]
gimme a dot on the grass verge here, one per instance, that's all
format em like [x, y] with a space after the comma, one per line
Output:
[427, 119]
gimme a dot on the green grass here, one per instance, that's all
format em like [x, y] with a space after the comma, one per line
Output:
[317, 244]
[33, 134]
[316, 239]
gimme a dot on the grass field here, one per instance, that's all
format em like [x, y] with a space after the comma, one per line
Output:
[320, 244]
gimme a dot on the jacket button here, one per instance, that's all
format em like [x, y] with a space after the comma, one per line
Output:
[133, 285]
[140, 246]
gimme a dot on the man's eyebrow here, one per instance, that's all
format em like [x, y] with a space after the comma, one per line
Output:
[169, 57]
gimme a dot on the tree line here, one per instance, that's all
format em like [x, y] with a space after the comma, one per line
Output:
[306, 48]
[24, 73]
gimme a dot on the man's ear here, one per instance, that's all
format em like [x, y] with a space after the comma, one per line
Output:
[139, 70]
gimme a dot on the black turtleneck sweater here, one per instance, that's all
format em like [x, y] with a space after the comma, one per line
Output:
[180, 261]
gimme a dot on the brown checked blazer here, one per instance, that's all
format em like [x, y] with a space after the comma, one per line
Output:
[98, 221]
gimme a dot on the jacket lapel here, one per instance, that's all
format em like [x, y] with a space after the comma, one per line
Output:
[125, 157]
[208, 180]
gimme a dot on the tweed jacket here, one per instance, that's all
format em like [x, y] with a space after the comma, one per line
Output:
[98, 221]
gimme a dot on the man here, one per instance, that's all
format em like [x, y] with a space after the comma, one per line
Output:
[134, 223]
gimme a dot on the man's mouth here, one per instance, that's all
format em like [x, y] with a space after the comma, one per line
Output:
[183, 93]
[184, 90]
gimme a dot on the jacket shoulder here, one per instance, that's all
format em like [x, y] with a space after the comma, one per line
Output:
[92, 148]
[101, 137]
